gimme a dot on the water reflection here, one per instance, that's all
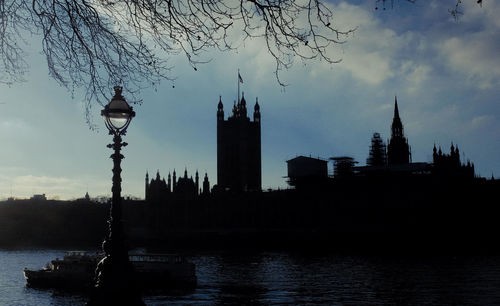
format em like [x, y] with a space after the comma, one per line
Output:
[290, 278]
[349, 280]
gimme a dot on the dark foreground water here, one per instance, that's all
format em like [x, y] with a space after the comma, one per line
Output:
[290, 278]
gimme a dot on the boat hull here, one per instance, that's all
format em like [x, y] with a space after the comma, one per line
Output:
[49, 279]
[153, 272]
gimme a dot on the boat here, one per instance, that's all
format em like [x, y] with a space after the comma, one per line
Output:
[76, 271]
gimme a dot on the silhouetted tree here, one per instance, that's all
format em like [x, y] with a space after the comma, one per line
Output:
[98, 44]
[378, 152]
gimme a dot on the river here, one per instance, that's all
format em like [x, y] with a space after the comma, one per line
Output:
[233, 278]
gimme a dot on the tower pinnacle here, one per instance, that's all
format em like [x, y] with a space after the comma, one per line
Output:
[398, 150]
[397, 125]
[396, 110]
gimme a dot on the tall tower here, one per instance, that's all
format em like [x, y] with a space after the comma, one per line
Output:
[174, 181]
[398, 151]
[238, 148]
[197, 182]
[206, 185]
[147, 186]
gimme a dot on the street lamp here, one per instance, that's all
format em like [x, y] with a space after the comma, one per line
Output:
[115, 281]
[117, 114]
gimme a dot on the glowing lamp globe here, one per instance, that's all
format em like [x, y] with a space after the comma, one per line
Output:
[117, 114]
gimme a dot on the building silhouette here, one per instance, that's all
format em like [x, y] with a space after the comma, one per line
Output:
[158, 190]
[39, 197]
[398, 151]
[238, 149]
[391, 194]
[303, 169]
[449, 166]
[186, 185]
[396, 160]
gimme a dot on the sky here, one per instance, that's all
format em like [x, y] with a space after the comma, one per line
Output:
[444, 72]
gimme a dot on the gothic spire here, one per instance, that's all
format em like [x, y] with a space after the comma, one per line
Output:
[220, 110]
[235, 110]
[399, 152]
[242, 107]
[397, 126]
[220, 106]
[243, 101]
[256, 111]
[396, 110]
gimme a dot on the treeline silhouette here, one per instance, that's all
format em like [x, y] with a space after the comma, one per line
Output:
[51, 223]
[386, 214]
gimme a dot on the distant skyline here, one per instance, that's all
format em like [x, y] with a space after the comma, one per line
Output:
[445, 73]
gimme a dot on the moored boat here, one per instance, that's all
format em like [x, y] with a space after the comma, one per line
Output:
[76, 272]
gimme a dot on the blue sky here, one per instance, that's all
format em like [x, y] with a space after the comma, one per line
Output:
[445, 73]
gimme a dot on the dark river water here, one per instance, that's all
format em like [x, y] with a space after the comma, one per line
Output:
[290, 278]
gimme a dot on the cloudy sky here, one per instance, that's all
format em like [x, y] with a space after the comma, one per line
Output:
[445, 73]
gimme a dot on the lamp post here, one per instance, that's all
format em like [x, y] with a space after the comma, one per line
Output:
[115, 282]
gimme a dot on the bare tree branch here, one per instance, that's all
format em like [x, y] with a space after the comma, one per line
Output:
[96, 44]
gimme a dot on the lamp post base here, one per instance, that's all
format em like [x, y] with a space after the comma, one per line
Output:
[116, 284]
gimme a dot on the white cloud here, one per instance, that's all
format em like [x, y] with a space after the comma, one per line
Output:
[472, 49]
[415, 74]
[369, 67]
[475, 56]
[376, 53]
[487, 13]
[480, 122]
[367, 54]
[386, 107]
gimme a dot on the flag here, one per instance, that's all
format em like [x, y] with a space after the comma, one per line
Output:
[239, 78]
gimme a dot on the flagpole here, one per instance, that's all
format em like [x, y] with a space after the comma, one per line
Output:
[238, 86]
